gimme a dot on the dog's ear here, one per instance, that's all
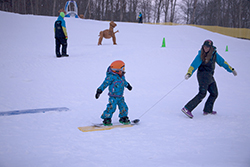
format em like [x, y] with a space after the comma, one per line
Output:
[112, 24]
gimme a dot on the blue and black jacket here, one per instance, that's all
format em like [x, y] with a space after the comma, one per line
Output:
[60, 28]
[210, 66]
[140, 16]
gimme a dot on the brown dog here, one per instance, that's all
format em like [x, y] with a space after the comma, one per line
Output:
[108, 33]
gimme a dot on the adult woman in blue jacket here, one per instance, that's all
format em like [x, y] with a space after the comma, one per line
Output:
[116, 82]
[205, 63]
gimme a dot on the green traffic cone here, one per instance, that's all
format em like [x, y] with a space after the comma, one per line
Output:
[163, 43]
[226, 48]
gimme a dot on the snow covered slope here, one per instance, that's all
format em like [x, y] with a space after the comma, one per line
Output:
[32, 77]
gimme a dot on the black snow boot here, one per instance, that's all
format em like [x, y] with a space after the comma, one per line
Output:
[124, 120]
[107, 122]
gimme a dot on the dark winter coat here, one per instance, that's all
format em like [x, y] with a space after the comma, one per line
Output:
[60, 28]
[208, 67]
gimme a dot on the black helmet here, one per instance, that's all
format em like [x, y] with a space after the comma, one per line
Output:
[208, 43]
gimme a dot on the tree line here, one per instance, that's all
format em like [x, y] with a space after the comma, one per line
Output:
[227, 13]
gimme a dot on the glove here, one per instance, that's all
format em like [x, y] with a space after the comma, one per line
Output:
[98, 92]
[129, 87]
[234, 72]
[66, 37]
[187, 76]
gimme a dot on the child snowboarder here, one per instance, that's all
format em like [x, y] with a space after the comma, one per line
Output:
[115, 79]
[205, 62]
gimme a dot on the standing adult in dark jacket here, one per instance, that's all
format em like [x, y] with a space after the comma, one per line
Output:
[61, 35]
[205, 62]
[140, 18]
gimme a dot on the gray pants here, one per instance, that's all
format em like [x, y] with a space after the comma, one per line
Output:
[206, 83]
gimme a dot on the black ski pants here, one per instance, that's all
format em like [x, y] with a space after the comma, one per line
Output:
[59, 42]
[206, 83]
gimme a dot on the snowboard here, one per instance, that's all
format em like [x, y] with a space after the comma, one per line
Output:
[101, 127]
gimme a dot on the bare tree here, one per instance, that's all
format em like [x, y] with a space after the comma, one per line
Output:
[24, 6]
[173, 5]
[193, 13]
[240, 13]
[122, 9]
[36, 7]
[185, 7]
[165, 9]
[158, 5]
[13, 5]
[54, 8]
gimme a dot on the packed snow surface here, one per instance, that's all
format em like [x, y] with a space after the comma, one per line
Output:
[33, 78]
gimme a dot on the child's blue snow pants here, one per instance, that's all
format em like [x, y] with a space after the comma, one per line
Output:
[111, 107]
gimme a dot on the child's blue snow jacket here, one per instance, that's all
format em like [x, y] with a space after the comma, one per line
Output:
[198, 61]
[115, 82]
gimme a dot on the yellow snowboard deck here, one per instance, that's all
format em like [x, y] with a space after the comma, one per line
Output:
[100, 128]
